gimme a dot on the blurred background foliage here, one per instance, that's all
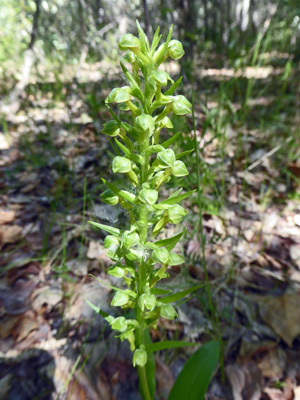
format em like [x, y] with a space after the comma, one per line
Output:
[63, 30]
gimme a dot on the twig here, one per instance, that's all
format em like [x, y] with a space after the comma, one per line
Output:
[269, 154]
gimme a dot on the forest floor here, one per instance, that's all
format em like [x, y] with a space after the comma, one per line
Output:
[52, 345]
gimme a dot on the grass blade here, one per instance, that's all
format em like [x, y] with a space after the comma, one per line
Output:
[168, 344]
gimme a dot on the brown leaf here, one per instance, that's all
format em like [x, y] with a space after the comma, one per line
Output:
[295, 254]
[6, 216]
[281, 314]
[7, 326]
[26, 326]
[275, 394]
[10, 234]
[246, 381]
[297, 393]
[273, 363]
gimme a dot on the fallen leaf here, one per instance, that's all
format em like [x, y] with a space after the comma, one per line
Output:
[273, 363]
[95, 250]
[280, 313]
[297, 393]
[276, 394]
[4, 144]
[297, 219]
[15, 299]
[252, 345]
[79, 268]
[246, 381]
[6, 216]
[26, 325]
[295, 254]
[7, 326]
[46, 298]
[10, 234]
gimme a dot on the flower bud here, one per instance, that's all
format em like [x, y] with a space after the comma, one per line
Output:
[148, 301]
[128, 42]
[111, 241]
[160, 53]
[130, 239]
[119, 324]
[129, 335]
[160, 255]
[120, 299]
[121, 164]
[181, 106]
[167, 311]
[152, 84]
[162, 78]
[117, 270]
[111, 128]
[144, 122]
[140, 357]
[123, 107]
[179, 169]
[175, 49]
[175, 259]
[129, 57]
[166, 158]
[109, 197]
[128, 196]
[176, 213]
[166, 123]
[148, 196]
[119, 95]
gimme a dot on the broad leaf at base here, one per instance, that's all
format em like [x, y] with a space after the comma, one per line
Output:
[192, 382]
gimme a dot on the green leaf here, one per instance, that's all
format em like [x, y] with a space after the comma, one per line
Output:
[168, 142]
[168, 344]
[125, 126]
[165, 47]
[172, 89]
[116, 150]
[184, 153]
[159, 291]
[170, 243]
[173, 200]
[103, 314]
[107, 228]
[136, 91]
[131, 293]
[158, 227]
[143, 38]
[122, 193]
[180, 295]
[129, 154]
[155, 41]
[193, 380]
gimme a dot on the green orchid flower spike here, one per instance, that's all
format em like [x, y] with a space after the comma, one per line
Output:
[139, 259]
